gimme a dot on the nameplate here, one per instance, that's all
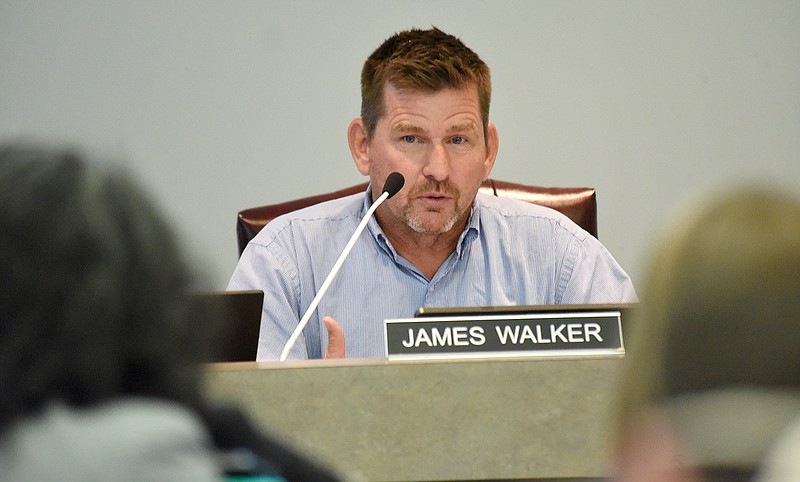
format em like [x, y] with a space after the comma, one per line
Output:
[505, 336]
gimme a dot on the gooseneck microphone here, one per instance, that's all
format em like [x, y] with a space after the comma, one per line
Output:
[391, 187]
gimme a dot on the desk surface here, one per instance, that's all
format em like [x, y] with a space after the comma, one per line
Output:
[457, 420]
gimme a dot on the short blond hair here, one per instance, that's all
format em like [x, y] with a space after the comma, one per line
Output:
[721, 304]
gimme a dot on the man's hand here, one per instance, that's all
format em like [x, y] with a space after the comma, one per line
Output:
[336, 348]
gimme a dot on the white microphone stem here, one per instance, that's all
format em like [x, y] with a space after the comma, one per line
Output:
[313, 306]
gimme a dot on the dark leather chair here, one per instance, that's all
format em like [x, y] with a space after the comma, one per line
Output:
[577, 203]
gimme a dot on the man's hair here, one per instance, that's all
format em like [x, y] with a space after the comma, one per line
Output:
[94, 301]
[421, 60]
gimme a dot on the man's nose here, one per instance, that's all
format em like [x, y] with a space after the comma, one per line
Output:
[437, 164]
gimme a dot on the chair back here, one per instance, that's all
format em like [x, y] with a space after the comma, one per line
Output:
[577, 203]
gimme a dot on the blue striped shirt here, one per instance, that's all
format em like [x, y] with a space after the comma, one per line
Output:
[511, 253]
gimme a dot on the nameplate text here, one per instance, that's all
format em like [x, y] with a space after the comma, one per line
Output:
[515, 335]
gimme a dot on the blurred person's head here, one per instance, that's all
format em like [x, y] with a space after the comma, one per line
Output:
[713, 367]
[93, 303]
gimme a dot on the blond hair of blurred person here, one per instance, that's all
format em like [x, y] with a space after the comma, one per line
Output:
[713, 368]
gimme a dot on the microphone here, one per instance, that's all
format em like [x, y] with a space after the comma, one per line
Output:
[393, 185]
[394, 182]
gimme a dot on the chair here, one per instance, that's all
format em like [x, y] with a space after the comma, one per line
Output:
[577, 203]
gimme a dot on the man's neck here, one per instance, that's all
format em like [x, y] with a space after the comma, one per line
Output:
[425, 251]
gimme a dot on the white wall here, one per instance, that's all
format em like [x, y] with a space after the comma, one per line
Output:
[223, 105]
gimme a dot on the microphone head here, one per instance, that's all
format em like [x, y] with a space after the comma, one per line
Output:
[393, 183]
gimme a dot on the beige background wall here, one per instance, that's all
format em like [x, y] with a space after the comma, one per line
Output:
[225, 105]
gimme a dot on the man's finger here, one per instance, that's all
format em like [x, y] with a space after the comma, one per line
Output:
[336, 346]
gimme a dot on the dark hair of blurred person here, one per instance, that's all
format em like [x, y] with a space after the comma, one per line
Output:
[712, 374]
[92, 283]
[101, 349]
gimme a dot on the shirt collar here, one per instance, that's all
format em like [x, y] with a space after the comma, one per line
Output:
[471, 231]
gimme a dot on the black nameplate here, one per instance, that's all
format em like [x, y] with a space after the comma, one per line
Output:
[539, 334]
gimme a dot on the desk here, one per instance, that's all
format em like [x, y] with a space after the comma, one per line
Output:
[413, 421]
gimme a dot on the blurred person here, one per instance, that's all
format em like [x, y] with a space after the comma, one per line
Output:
[782, 462]
[100, 348]
[425, 100]
[712, 374]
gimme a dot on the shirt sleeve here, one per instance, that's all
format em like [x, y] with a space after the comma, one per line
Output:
[596, 277]
[269, 268]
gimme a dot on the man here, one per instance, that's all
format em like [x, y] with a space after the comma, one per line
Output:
[424, 114]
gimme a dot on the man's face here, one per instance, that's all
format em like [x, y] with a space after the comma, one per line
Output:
[436, 141]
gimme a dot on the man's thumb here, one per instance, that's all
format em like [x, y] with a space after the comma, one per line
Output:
[336, 346]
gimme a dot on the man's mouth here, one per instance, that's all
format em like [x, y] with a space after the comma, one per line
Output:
[434, 198]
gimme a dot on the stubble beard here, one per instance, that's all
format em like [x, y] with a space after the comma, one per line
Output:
[415, 223]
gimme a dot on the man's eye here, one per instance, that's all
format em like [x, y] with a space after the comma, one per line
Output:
[458, 140]
[409, 139]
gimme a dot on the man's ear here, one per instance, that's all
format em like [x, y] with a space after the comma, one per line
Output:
[359, 145]
[492, 146]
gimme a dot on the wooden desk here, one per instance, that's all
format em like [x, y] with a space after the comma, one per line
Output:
[412, 421]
